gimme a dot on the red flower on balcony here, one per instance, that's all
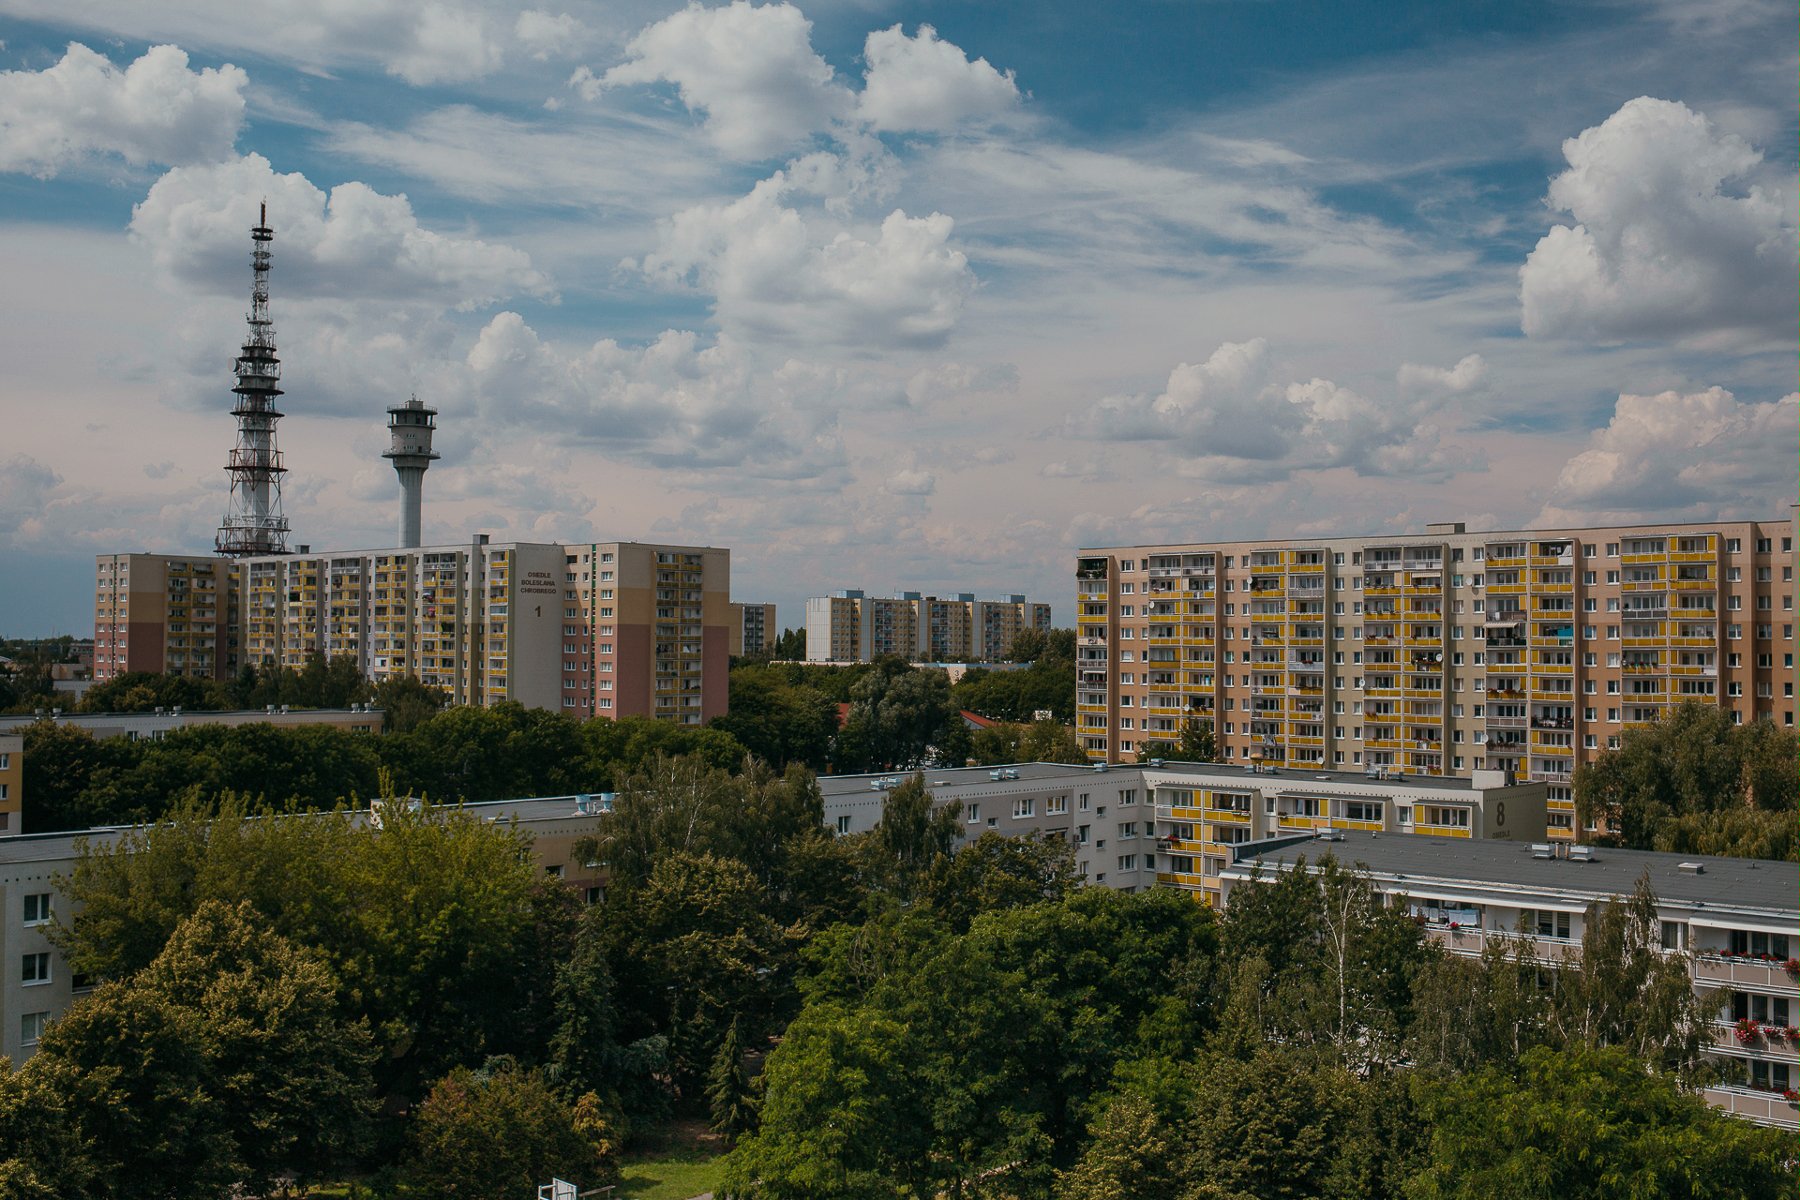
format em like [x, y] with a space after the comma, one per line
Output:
[1748, 1030]
[1791, 1096]
[1792, 967]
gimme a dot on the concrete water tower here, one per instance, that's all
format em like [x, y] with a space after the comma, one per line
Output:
[410, 426]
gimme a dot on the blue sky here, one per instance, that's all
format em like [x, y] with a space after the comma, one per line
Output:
[893, 295]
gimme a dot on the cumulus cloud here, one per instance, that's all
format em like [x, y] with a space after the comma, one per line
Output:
[1707, 452]
[751, 69]
[1237, 422]
[353, 242]
[547, 35]
[672, 403]
[1680, 231]
[1468, 375]
[911, 482]
[926, 84]
[774, 272]
[154, 111]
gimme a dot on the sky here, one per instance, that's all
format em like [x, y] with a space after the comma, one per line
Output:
[895, 295]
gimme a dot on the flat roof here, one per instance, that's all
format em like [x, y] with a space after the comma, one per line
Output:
[1285, 778]
[842, 785]
[1428, 537]
[1724, 883]
[52, 847]
[1291, 776]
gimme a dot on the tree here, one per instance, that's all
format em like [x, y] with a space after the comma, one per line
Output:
[145, 691]
[1197, 744]
[423, 918]
[406, 702]
[1682, 779]
[791, 645]
[1128, 1157]
[901, 717]
[1040, 741]
[994, 872]
[728, 1093]
[226, 1061]
[1588, 1125]
[911, 836]
[497, 1134]
[777, 721]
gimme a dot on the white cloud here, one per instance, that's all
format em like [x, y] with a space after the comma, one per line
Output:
[673, 403]
[774, 273]
[153, 111]
[1237, 423]
[420, 41]
[911, 482]
[1706, 453]
[26, 486]
[923, 83]
[1468, 375]
[1681, 231]
[354, 242]
[751, 69]
[547, 35]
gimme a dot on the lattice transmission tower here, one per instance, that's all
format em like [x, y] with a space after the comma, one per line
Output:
[253, 523]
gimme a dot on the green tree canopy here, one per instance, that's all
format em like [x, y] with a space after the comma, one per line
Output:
[500, 1133]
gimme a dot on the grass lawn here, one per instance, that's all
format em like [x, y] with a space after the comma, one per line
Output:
[673, 1176]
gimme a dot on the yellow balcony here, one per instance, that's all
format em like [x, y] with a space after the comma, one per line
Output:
[1455, 831]
[1649, 559]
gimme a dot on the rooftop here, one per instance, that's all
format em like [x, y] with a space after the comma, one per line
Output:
[1724, 883]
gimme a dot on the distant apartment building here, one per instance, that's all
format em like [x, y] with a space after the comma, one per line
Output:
[12, 783]
[1445, 653]
[163, 613]
[753, 629]
[851, 626]
[609, 629]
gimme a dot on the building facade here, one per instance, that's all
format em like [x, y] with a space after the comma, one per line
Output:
[610, 629]
[1736, 921]
[1439, 654]
[851, 626]
[753, 629]
[169, 614]
[12, 783]
[1178, 824]
[148, 726]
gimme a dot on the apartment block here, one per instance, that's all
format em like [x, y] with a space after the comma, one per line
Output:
[611, 629]
[647, 631]
[150, 726]
[753, 629]
[1735, 921]
[1445, 653]
[12, 783]
[851, 626]
[1178, 824]
[164, 613]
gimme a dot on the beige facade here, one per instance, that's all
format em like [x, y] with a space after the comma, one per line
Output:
[850, 626]
[12, 784]
[1439, 654]
[169, 614]
[753, 629]
[608, 629]
[647, 631]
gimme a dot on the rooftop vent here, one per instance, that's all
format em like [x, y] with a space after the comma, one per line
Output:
[1691, 868]
[1156, 762]
[1542, 850]
[1582, 854]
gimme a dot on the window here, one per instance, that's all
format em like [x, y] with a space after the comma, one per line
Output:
[1127, 862]
[843, 824]
[974, 813]
[35, 968]
[31, 1027]
[1362, 810]
[1082, 802]
[1024, 807]
[1545, 924]
[37, 908]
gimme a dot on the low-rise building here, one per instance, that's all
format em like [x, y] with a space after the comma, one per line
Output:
[1176, 824]
[1735, 920]
[38, 986]
[358, 718]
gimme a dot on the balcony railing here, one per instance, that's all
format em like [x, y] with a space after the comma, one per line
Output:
[1764, 1108]
[1742, 970]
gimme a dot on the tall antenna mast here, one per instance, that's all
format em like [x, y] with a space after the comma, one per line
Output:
[254, 524]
